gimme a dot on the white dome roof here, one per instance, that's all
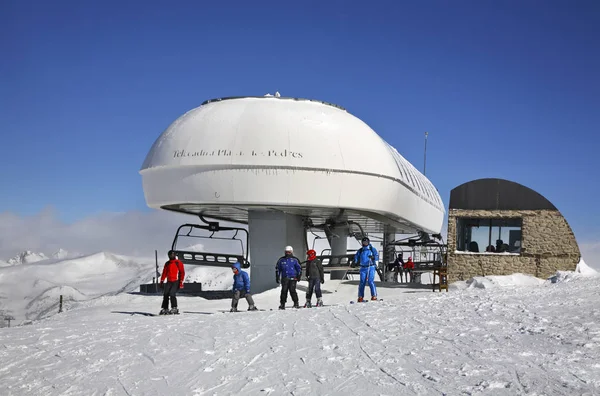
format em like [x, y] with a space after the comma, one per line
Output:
[299, 156]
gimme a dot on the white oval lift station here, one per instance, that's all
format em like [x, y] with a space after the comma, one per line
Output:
[283, 166]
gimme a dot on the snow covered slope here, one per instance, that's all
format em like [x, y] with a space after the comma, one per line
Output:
[31, 291]
[517, 336]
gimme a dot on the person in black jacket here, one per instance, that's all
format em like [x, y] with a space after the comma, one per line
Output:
[316, 277]
[398, 267]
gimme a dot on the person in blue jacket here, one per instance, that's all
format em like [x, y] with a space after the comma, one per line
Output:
[288, 271]
[241, 288]
[367, 258]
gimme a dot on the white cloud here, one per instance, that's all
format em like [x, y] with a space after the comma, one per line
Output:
[130, 233]
[590, 251]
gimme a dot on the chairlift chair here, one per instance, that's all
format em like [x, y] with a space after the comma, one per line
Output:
[225, 260]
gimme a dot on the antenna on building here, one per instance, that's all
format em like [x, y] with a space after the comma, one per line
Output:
[425, 156]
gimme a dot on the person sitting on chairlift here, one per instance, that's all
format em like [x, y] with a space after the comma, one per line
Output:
[409, 266]
[398, 266]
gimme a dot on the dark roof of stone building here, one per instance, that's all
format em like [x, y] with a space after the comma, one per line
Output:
[497, 194]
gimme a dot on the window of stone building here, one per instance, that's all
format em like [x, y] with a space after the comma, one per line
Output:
[488, 235]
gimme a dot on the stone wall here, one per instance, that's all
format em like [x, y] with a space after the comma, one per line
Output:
[548, 244]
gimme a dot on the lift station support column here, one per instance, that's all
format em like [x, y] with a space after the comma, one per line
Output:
[269, 234]
[339, 241]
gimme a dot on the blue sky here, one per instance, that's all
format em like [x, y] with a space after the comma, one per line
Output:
[507, 89]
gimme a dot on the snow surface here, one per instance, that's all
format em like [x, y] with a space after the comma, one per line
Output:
[516, 335]
[494, 281]
[584, 269]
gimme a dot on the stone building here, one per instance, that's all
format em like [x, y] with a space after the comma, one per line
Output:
[498, 227]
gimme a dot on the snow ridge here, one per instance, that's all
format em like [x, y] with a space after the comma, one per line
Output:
[27, 257]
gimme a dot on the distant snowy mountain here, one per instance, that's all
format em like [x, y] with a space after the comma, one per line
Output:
[31, 289]
[60, 254]
[27, 257]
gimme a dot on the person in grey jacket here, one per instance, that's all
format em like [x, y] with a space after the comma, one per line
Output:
[316, 277]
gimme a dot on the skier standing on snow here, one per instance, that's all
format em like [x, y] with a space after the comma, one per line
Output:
[288, 271]
[174, 272]
[367, 258]
[241, 288]
[315, 276]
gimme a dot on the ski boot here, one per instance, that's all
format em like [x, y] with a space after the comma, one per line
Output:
[373, 298]
[282, 307]
[319, 302]
[252, 308]
[233, 309]
[163, 312]
[308, 304]
[296, 305]
[174, 311]
[360, 299]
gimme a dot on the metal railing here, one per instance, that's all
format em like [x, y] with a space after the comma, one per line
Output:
[211, 259]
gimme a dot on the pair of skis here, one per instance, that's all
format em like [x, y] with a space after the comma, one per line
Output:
[148, 313]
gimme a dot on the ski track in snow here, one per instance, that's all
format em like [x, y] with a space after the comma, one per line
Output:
[509, 341]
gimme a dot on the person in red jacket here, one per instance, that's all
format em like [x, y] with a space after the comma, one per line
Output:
[174, 273]
[409, 266]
